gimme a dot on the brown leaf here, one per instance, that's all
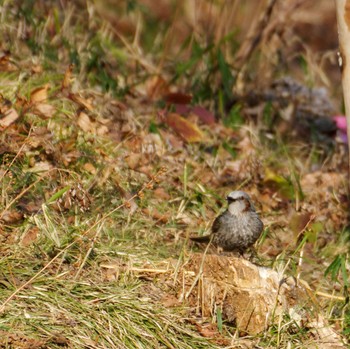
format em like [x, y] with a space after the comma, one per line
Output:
[6, 64]
[67, 77]
[40, 166]
[102, 130]
[36, 69]
[84, 122]
[178, 98]
[39, 94]
[21, 101]
[81, 101]
[170, 301]
[205, 115]
[208, 331]
[161, 194]
[10, 117]
[44, 110]
[133, 160]
[157, 87]
[90, 168]
[5, 104]
[173, 140]
[5, 58]
[186, 129]
[182, 109]
[30, 236]
[11, 217]
[156, 215]
[299, 221]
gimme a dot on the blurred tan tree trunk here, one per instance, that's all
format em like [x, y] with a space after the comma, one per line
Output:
[343, 19]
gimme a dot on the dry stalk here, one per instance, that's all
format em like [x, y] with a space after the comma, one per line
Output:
[343, 19]
[98, 230]
[200, 271]
[126, 203]
[255, 34]
[301, 253]
[135, 55]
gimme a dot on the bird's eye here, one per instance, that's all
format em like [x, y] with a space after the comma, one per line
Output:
[230, 199]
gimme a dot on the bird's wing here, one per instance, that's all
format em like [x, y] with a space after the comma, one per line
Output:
[202, 239]
[217, 224]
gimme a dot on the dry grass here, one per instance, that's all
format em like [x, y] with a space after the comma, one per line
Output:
[83, 187]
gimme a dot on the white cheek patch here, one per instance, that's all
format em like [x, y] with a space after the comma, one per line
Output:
[236, 207]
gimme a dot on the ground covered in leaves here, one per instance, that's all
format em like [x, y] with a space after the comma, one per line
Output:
[123, 128]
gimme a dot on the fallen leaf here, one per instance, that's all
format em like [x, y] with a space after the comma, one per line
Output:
[178, 98]
[160, 193]
[182, 109]
[5, 104]
[37, 69]
[157, 87]
[89, 167]
[30, 236]
[21, 101]
[41, 166]
[70, 156]
[156, 215]
[84, 122]
[152, 144]
[102, 130]
[133, 160]
[299, 221]
[204, 115]
[39, 94]
[246, 146]
[29, 206]
[171, 140]
[10, 117]
[186, 129]
[11, 217]
[208, 331]
[81, 101]
[170, 301]
[44, 110]
[6, 64]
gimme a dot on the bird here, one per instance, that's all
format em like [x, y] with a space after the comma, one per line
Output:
[236, 229]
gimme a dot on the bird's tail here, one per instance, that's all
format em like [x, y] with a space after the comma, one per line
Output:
[201, 239]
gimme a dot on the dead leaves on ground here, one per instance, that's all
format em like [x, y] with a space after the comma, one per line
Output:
[39, 94]
[8, 118]
[184, 128]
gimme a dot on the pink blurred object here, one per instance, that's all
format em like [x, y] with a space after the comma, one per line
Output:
[204, 115]
[340, 121]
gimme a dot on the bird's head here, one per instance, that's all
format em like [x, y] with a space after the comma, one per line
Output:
[239, 202]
